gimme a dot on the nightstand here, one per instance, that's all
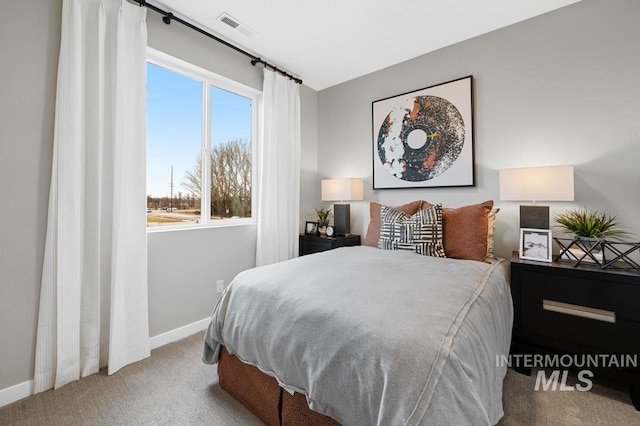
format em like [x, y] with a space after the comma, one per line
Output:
[316, 243]
[584, 310]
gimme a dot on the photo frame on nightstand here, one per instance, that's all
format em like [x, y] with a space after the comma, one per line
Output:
[536, 244]
[312, 228]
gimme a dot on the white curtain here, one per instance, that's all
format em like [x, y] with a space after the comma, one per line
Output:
[279, 171]
[93, 300]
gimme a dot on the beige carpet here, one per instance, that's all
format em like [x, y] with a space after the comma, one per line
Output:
[607, 403]
[174, 387]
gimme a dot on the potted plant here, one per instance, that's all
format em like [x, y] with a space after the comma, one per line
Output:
[590, 225]
[323, 216]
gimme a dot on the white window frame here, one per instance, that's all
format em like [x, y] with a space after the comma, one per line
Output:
[209, 79]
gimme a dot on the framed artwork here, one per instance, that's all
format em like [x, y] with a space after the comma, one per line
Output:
[424, 139]
[311, 228]
[535, 244]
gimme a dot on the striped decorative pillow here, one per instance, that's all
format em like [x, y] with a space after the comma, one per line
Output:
[420, 233]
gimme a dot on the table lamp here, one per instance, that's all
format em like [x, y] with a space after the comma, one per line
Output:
[346, 189]
[549, 183]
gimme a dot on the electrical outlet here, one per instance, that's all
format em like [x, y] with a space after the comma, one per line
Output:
[220, 284]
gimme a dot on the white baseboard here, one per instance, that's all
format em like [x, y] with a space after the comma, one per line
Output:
[15, 393]
[178, 333]
[22, 390]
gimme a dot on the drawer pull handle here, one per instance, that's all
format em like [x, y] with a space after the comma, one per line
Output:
[579, 311]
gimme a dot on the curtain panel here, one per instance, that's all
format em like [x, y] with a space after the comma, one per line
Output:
[93, 302]
[278, 171]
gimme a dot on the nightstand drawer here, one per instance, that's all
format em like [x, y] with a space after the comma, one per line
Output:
[316, 243]
[598, 334]
[607, 295]
[317, 246]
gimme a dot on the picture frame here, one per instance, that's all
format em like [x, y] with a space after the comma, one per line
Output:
[311, 228]
[536, 244]
[425, 138]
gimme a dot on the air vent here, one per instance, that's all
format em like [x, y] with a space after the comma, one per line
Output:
[229, 20]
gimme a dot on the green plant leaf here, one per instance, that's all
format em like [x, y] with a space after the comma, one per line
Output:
[323, 214]
[590, 224]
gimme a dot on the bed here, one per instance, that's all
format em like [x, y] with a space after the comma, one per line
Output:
[371, 336]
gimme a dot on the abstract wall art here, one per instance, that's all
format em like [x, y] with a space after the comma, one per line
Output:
[424, 138]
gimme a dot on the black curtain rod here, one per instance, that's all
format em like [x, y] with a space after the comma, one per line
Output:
[167, 17]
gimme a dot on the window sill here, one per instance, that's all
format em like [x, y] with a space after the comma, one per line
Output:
[197, 226]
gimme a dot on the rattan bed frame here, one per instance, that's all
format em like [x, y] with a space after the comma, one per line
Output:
[262, 395]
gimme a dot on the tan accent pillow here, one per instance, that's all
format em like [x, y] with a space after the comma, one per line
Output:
[491, 225]
[466, 231]
[373, 231]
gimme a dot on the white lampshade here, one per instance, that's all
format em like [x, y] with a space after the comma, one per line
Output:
[346, 189]
[550, 183]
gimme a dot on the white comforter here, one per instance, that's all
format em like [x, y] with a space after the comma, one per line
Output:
[373, 336]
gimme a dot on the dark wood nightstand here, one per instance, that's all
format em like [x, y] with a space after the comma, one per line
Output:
[584, 310]
[316, 243]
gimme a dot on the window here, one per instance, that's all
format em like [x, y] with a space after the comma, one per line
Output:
[200, 133]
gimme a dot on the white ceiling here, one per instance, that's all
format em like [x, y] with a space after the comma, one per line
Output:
[333, 41]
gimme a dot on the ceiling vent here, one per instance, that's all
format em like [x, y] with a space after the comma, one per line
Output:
[232, 22]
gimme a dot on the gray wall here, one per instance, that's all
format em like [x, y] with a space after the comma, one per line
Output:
[29, 45]
[183, 265]
[309, 183]
[561, 88]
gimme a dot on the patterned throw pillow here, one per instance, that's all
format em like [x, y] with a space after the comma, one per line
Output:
[373, 230]
[420, 233]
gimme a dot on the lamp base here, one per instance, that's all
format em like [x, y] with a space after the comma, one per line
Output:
[536, 217]
[342, 219]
